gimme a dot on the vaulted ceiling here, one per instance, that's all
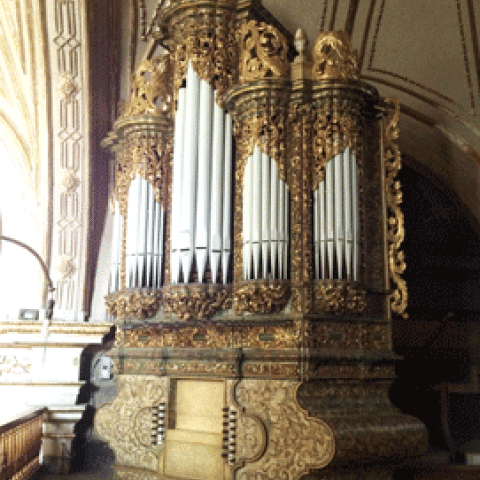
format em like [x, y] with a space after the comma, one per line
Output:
[425, 53]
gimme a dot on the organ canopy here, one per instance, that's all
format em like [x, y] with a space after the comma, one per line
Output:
[253, 177]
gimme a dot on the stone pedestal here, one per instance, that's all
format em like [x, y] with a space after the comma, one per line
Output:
[39, 367]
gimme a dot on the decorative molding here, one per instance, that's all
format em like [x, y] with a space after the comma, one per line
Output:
[67, 40]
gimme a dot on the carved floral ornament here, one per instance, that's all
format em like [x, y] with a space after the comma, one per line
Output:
[263, 52]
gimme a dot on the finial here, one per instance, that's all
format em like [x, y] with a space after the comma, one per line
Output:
[301, 42]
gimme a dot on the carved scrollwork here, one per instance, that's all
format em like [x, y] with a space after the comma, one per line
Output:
[124, 422]
[333, 57]
[136, 304]
[296, 444]
[262, 296]
[339, 297]
[196, 301]
[396, 227]
[263, 52]
[151, 88]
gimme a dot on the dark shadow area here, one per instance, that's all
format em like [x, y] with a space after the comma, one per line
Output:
[441, 340]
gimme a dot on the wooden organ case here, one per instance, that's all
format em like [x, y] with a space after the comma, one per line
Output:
[256, 257]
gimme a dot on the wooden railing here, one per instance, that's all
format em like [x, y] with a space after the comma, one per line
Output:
[20, 442]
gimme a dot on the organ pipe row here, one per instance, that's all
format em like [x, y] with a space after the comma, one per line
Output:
[265, 220]
[298, 171]
[202, 185]
[335, 218]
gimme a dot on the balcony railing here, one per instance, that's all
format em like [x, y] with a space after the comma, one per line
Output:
[20, 442]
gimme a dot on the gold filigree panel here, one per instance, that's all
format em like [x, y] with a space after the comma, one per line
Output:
[296, 444]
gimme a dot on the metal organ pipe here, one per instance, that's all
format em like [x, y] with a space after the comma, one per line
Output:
[227, 198]
[177, 184]
[145, 233]
[116, 254]
[265, 219]
[187, 233]
[217, 189]
[336, 220]
[202, 185]
[203, 177]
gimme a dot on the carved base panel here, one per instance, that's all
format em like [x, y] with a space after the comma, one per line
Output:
[213, 428]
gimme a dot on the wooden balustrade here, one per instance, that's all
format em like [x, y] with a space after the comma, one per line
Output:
[20, 442]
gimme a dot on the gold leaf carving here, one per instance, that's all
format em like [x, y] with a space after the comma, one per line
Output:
[296, 444]
[196, 301]
[339, 297]
[396, 227]
[136, 304]
[334, 131]
[333, 57]
[262, 296]
[208, 44]
[263, 52]
[151, 90]
[122, 422]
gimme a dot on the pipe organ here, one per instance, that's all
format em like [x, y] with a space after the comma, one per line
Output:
[257, 257]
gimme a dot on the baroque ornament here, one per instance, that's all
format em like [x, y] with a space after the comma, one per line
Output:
[333, 57]
[209, 46]
[262, 296]
[296, 442]
[263, 52]
[125, 422]
[133, 304]
[335, 129]
[151, 88]
[339, 297]
[396, 227]
[195, 301]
